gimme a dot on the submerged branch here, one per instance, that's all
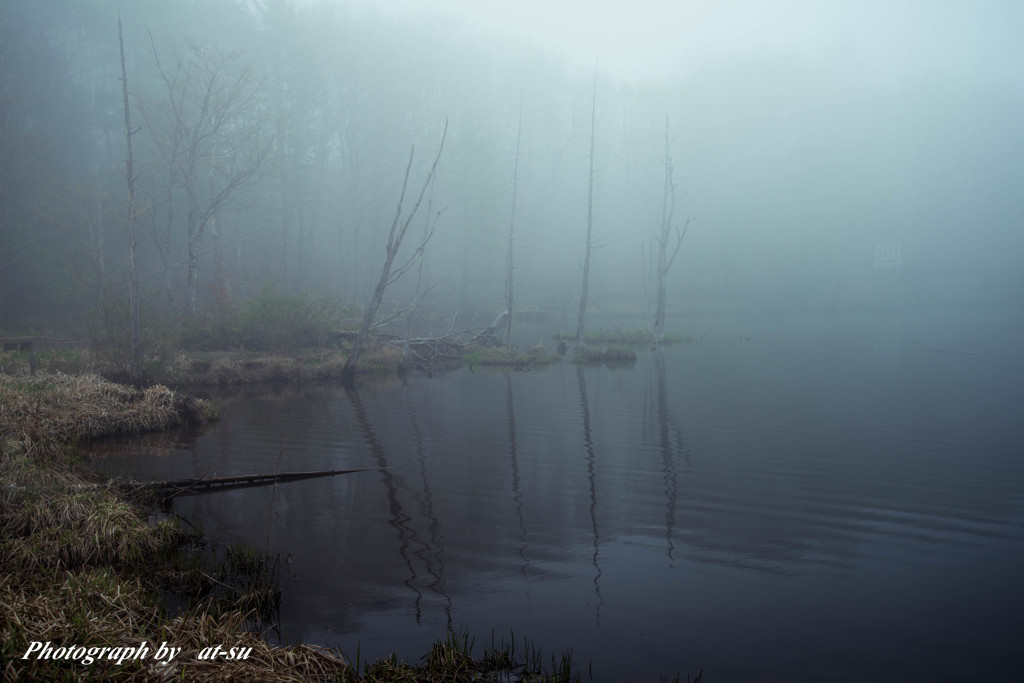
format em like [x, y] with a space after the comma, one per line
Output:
[192, 487]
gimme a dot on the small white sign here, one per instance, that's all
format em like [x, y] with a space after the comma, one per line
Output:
[887, 254]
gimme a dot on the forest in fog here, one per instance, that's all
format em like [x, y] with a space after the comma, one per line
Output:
[272, 138]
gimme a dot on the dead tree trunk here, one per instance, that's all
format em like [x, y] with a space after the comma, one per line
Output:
[135, 364]
[582, 320]
[428, 232]
[395, 236]
[668, 205]
[509, 289]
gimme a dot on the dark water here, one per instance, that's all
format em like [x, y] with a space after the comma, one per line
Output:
[799, 498]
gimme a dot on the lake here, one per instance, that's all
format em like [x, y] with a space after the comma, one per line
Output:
[798, 497]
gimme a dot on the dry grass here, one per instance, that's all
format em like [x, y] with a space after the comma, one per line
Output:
[100, 608]
[45, 412]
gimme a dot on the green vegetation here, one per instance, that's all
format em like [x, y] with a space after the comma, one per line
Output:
[229, 368]
[503, 356]
[271, 322]
[625, 337]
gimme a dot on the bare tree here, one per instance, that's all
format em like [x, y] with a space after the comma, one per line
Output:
[395, 237]
[509, 290]
[582, 320]
[135, 364]
[665, 261]
[429, 223]
[209, 125]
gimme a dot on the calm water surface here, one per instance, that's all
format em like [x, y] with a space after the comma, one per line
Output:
[799, 498]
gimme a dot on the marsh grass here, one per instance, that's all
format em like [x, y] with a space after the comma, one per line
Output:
[236, 368]
[503, 356]
[45, 413]
[625, 337]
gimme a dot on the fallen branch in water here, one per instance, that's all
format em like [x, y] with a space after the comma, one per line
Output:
[192, 487]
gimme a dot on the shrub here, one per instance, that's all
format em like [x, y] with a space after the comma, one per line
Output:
[269, 321]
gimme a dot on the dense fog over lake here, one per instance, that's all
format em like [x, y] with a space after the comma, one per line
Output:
[817, 476]
[806, 139]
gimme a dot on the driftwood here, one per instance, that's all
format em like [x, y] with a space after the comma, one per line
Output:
[489, 337]
[191, 487]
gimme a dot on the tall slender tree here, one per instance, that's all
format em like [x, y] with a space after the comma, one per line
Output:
[509, 288]
[582, 320]
[135, 364]
[665, 261]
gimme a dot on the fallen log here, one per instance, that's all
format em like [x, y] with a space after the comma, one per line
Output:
[192, 487]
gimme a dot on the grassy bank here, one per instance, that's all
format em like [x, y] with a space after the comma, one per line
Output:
[181, 368]
[623, 337]
[84, 564]
[241, 367]
[502, 356]
[231, 368]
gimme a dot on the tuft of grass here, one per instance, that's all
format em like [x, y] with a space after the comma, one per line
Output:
[451, 659]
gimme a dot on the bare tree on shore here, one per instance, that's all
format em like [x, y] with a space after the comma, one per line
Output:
[135, 363]
[397, 233]
[665, 260]
[582, 320]
[509, 289]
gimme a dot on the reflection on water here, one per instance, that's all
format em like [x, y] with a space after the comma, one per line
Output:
[517, 496]
[588, 446]
[797, 498]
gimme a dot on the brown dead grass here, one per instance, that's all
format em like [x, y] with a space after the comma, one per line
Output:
[45, 412]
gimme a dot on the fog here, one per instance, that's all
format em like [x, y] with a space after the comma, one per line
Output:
[830, 155]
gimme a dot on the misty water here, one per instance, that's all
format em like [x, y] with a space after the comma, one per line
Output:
[800, 497]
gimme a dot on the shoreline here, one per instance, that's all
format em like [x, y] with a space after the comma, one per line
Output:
[84, 564]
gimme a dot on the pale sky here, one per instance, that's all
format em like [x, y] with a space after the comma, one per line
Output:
[662, 39]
